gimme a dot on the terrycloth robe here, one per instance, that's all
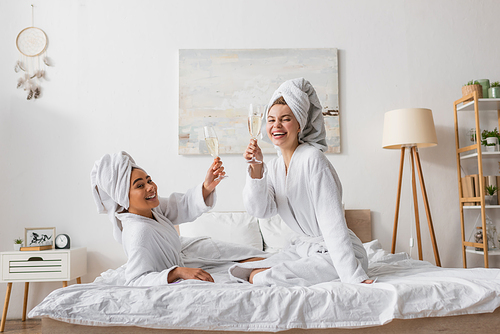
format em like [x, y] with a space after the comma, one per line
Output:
[309, 200]
[153, 247]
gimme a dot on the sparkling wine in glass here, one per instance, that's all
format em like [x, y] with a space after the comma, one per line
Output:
[254, 125]
[212, 144]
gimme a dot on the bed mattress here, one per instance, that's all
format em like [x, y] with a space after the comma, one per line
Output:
[405, 289]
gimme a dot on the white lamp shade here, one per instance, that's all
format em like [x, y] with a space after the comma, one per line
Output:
[409, 127]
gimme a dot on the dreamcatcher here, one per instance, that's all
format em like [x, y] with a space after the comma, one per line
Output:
[32, 44]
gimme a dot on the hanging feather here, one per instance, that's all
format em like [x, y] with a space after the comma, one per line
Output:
[40, 74]
[21, 65]
[27, 83]
[37, 92]
[30, 94]
[47, 61]
[20, 82]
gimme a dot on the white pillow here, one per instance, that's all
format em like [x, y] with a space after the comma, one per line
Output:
[276, 233]
[235, 227]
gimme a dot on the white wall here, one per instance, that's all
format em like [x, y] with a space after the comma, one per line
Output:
[114, 87]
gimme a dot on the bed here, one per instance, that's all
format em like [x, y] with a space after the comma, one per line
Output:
[408, 293]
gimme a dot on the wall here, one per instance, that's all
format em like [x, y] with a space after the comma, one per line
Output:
[114, 86]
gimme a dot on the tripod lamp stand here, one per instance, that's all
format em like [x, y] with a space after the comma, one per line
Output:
[411, 129]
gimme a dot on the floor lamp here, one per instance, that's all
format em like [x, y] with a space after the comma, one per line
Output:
[411, 129]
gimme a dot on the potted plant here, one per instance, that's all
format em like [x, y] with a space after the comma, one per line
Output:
[494, 90]
[470, 87]
[490, 139]
[490, 197]
[491, 147]
[18, 242]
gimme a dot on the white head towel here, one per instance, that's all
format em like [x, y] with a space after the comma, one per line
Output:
[301, 97]
[110, 180]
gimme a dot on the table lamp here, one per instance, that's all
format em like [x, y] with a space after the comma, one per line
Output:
[411, 129]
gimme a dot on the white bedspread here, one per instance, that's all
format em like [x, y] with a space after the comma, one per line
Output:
[405, 289]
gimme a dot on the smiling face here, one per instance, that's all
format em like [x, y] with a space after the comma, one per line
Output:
[282, 127]
[143, 194]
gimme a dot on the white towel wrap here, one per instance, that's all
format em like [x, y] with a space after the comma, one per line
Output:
[302, 99]
[110, 180]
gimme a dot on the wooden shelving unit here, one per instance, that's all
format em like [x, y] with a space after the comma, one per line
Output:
[474, 152]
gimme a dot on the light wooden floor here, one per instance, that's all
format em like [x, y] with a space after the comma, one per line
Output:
[16, 326]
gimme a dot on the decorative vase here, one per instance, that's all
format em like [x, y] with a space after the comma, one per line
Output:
[472, 136]
[485, 84]
[466, 90]
[494, 92]
[17, 247]
[491, 199]
[478, 237]
[491, 234]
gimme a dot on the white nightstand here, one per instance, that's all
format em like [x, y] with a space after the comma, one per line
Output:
[40, 266]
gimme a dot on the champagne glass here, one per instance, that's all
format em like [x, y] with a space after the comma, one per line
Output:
[213, 145]
[254, 125]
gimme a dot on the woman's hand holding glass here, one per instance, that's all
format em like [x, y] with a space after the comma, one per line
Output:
[254, 127]
[215, 174]
[213, 147]
[253, 151]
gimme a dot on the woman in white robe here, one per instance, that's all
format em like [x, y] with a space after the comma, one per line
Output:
[144, 223]
[301, 186]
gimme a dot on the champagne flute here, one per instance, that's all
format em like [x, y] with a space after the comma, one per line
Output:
[254, 125]
[213, 145]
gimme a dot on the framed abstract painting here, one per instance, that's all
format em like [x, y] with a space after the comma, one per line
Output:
[216, 88]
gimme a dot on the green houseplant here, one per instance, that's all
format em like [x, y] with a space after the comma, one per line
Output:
[470, 87]
[491, 190]
[18, 242]
[490, 139]
[490, 197]
[494, 90]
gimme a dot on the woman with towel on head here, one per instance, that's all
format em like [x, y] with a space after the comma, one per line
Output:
[301, 186]
[144, 223]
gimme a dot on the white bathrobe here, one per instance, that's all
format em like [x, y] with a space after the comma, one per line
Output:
[153, 247]
[309, 200]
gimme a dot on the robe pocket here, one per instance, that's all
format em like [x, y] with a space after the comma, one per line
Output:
[200, 247]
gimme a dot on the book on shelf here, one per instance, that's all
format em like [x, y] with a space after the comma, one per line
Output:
[475, 178]
[36, 248]
[468, 189]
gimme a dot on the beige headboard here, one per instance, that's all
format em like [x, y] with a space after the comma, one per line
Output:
[360, 222]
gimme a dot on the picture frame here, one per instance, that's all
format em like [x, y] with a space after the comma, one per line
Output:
[39, 236]
[216, 87]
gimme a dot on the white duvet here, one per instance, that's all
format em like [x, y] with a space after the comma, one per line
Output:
[405, 289]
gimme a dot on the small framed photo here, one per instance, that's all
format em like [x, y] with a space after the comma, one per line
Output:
[39, 236]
